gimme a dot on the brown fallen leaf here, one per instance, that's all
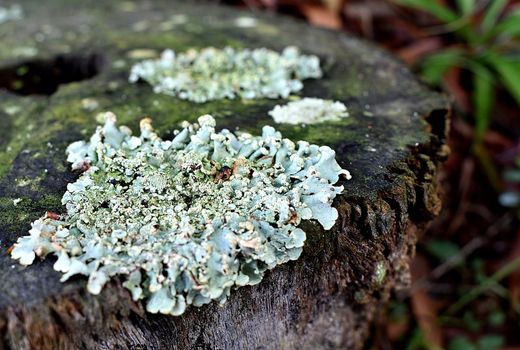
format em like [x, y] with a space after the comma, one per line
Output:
[321, 16]
[333, 5]
[417, 50]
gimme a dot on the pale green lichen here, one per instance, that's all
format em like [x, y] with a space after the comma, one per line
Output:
[187, 219]
[309, 110]
[211, 74]
[245, 22]
[12, 13]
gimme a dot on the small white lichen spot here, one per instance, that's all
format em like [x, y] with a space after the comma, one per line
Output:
[212, 74]
[12, 13]
[12, 110]
[185, 220]
[309, 110]
[89, 104]
[245, 22]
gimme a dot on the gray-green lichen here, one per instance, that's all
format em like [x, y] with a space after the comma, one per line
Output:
[211, 74]
[187, 219]
[309, 110]
[12, 13]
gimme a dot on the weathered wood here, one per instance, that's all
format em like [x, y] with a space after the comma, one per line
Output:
[392, 144]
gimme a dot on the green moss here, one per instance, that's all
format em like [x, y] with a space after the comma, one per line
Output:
[9, 213]
[125, 40]
[20, 127]
[14, 216]
[50, 202]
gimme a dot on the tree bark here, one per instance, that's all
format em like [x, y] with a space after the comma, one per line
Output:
[76, 60]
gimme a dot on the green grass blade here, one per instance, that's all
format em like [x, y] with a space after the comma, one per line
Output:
[508, 26]
[509, 72]
[436, 65]
[492, 13]
[504, 271]
[483, 92]
[466, 7]
[437, 10]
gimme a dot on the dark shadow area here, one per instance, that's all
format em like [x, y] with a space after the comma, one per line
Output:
[437, 120]
[42, 77]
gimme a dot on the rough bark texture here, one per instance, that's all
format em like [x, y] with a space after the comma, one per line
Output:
[392, 144]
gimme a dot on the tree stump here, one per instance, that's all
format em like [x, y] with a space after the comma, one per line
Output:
[65, 62]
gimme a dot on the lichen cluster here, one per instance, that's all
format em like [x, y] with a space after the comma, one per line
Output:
[309, 110]
[211, 74]
[12, 13]
[184, 220]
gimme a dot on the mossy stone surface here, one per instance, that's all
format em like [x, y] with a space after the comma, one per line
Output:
[391, 144]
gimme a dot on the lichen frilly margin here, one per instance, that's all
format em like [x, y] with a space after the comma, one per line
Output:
[213, 74]
[184, 220]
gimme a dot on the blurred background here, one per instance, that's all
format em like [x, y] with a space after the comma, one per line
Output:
[466, 274]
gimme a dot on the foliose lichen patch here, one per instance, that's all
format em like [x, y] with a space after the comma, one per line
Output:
[11, 13]
[309, 110]
[212, 74]
[187, 219]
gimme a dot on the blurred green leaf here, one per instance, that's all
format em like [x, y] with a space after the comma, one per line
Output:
[466, 7]
[490, 342]
[433, 7]
[509, 25]
[436, 65]
[512, 175]
[496, 318]
[483, 287]
[483, 96]
[442, 249]
[477, 50]
[471, 322]
[398, 311]
[478, 269]
[492, 13]
[461, 343]
[509, 71]
[487, 342]
[487, 163]
[418, 341]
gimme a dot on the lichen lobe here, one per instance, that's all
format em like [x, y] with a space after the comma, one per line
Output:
[184, 220]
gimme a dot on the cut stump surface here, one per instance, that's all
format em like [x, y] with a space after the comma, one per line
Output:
[65, 62]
